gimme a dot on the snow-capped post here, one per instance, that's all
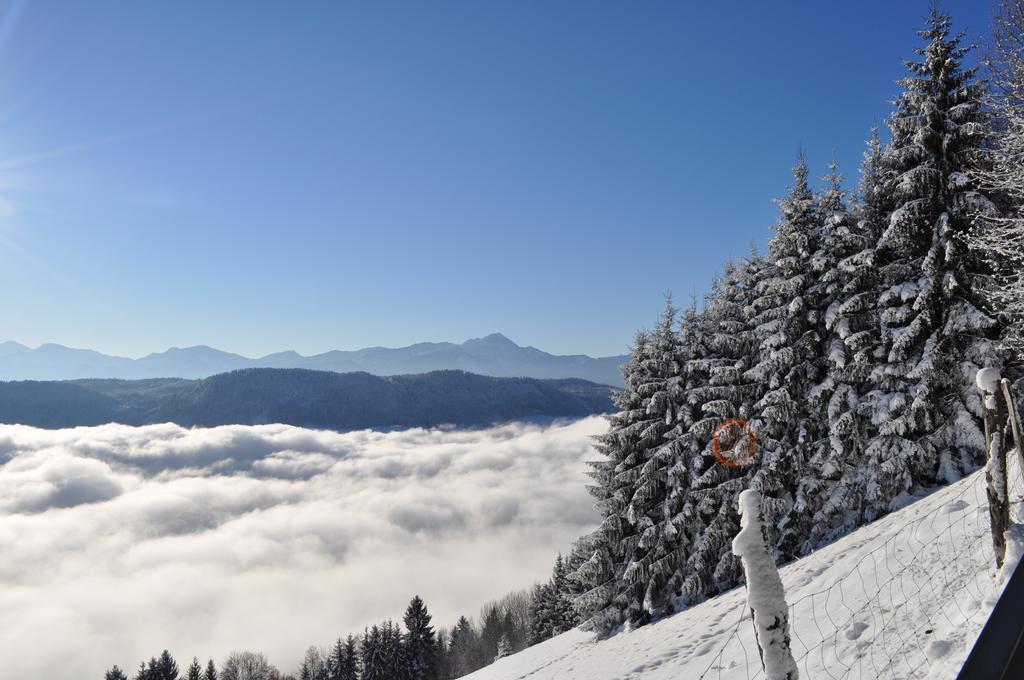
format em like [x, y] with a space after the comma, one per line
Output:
[996, 416]
[765, 594]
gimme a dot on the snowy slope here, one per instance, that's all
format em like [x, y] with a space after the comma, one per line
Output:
[904, 597]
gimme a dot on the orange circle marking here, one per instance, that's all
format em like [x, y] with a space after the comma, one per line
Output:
[734, 443]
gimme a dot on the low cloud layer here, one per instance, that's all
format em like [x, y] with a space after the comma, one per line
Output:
[116, 541]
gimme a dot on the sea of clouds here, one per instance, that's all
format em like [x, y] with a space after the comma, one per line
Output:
[116, 541]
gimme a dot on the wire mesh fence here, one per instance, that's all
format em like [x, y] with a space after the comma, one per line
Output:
[880, 617]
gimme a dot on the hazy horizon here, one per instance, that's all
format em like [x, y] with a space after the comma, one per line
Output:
[36, 346]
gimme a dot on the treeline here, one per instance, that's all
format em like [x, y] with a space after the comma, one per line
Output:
[849, 347]
[412, 650]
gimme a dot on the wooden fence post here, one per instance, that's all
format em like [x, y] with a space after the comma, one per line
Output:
[1015, 425]
[996, 416]
[765, 594]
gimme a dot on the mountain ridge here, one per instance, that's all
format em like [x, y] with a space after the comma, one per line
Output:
[304, 398]
[492, 355]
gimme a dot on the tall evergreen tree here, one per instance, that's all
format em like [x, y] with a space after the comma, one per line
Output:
[211, 671]
[729, 392]
[374, 664]
[462, 649]
[789, 362]
[934, 336]
[645, 473]
[603, 600]
[852, 335]
[419, 641]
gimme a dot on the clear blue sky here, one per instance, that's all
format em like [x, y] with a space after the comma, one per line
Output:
[264, 176]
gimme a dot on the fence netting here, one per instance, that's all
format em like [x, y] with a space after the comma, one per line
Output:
[907, 589]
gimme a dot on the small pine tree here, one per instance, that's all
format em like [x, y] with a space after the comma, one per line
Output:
[504, 647]
[115, 673]
[195, 671]
[166, 668]
[211, 671]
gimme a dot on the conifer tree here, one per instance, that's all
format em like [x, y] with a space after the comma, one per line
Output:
[211, 671]
[851, 318]
[462, 649]
[115, 673]
[563, 614]
[600, 576]
[789, 362]
[645, 473]
[504, 647]
[373, 659]
[841, 291]
[729, 392]
[165, 668]
[195, 671]
[934, 335]
[419, 641]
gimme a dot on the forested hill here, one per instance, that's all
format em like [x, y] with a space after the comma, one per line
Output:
[318, 399]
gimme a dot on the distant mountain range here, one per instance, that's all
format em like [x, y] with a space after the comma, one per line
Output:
[494, 355]
[317, 399]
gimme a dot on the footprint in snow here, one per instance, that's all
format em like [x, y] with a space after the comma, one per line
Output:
[855, 630]
[956, 506]
[937, 649]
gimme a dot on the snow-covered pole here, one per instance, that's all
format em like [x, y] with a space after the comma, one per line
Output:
[995, 414]
[765, 594]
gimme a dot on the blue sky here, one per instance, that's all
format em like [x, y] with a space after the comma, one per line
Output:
[313, 176]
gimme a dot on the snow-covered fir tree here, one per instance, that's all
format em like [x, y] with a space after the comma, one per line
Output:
[934, 335]
[373, 661]
[603, 600]
[419, 641]
[646, 472]
[729, 392]
[849, 290]
[504, 647]
[787, 318]
[681, 448]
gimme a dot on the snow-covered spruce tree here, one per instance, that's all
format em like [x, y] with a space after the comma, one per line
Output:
[419, 641]
[623, 446]
[710, 503]
[849, 290]
[372, 653]
[461, 649]
[646, 476]
[504, 647]
[787, 321]
[667, 556]
[934, 336]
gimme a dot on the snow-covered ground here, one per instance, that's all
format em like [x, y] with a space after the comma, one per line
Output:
[904, 597]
